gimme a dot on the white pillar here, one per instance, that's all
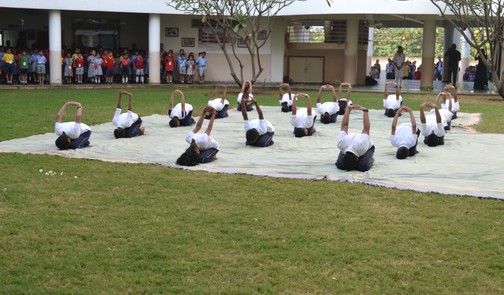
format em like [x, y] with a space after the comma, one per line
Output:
[351, 48]
[370, 48]
[154, 49]
[277, 52]
[428, 52]
[465, 52]
[55, 47]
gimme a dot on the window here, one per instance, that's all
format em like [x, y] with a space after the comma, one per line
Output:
[323, 31]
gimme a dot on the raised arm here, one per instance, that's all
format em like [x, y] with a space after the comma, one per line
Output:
[212, 119]
[281, 87]
[346, 118]
[243, 86]
[319, 93]
[119, 99]
[422, 113]
[385, 92]
[201, 118]
[436, 111]
[244, 109]
[440, 94]
[449, 101]
[412, 120]
[308, 103]
[451, 89]
[130, 103]
[280, 90]
[224, 93]
[333, 93]
[431, 106]
[182, 100]
[294, 103]
[366, 123]
[172, 99]
[396, 118]
[63, 108]
[250, 87]
[349, 90]
[258, 108]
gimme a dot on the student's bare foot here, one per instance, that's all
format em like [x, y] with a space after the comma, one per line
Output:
[142, 130]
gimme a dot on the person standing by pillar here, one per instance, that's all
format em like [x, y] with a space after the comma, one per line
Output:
[452, 58]
[399, 61]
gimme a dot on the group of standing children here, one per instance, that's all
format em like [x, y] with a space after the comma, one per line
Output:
[184, 67]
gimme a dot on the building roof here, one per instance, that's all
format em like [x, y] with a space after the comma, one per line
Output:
[308, 7]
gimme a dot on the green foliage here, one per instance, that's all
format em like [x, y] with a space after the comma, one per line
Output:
[386, 41]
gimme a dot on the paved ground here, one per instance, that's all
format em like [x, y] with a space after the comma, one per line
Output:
[409, 86]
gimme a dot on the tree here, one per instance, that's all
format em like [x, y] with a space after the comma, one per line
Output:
[232, 22]
[481, 24]
[386, 41]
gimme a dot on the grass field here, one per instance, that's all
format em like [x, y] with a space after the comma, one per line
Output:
[92, 227]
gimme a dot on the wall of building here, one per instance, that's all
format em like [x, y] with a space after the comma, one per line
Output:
[133, 29]
[334, 59]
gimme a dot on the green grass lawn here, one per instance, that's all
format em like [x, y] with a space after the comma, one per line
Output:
[93, 227]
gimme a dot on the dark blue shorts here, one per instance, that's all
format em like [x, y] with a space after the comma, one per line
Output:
[249, 107]
[82, 141]
[125, 71]
[134, 129]
[265, 140]
[364, 163]
[207, 155]
[222, 113]
[187, 121]
[9, 68]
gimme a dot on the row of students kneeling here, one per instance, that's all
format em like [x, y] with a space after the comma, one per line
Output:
[356, 149]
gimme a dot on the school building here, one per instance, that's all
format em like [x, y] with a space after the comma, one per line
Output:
[311, 41]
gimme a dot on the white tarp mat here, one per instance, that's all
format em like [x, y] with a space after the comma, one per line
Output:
[468, 163]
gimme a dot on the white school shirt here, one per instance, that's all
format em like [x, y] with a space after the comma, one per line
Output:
[124, 120]
[455, 105]
[330, 107]
[301, 119]
[240, 95]
[262, 126]
[431, 125]
[217, 104]
[71, 129]
[392, 102]
[446, 115]
[285, 98]
[357, 143]
[403, 136]
[177, 111]
[202, 140]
